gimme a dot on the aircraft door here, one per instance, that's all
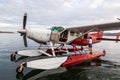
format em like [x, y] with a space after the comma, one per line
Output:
[55, 37]
[64, 36]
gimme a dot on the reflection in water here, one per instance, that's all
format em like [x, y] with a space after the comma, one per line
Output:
[79, 72]
[110, 64]
[37, 73]
[56, 74]
[20, 76]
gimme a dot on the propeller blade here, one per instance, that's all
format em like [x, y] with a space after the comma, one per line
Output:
[24, 20]
[25, 40]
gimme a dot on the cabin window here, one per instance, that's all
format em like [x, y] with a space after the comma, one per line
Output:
[57, 29]
[63, 36]
[78, 34]
[72, 33]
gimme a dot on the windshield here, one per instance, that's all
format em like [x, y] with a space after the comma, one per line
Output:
[57, 29]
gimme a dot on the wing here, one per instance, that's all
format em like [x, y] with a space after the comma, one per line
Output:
[97, 27]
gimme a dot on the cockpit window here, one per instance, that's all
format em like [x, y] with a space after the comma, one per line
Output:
[57, 29]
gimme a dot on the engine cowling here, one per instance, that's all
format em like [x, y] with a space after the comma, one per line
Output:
[39, 35]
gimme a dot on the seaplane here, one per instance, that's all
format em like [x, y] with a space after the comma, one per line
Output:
[61, 56]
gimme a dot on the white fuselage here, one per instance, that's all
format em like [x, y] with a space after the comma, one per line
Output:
[45, 35]
[39, 35]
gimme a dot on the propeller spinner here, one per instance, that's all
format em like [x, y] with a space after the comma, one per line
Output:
[23, 32]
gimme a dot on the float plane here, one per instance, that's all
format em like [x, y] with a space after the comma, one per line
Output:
[59, 56]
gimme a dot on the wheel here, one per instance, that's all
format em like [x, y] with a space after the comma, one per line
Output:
[19, 69]
[13, 57]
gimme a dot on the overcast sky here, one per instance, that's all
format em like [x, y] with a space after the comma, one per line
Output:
[58, 12]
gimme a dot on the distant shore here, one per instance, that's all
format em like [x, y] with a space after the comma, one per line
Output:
[109, 34]
[6, 32]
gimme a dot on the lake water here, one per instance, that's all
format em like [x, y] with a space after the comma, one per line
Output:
[109, 69]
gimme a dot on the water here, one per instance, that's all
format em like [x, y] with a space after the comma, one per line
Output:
[109, 69]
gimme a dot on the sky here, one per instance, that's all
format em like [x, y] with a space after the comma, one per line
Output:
[43, 13]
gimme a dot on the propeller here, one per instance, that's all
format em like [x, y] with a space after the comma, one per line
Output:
[25, 40]
[23, 32]
[24, 20]
[24, 27]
